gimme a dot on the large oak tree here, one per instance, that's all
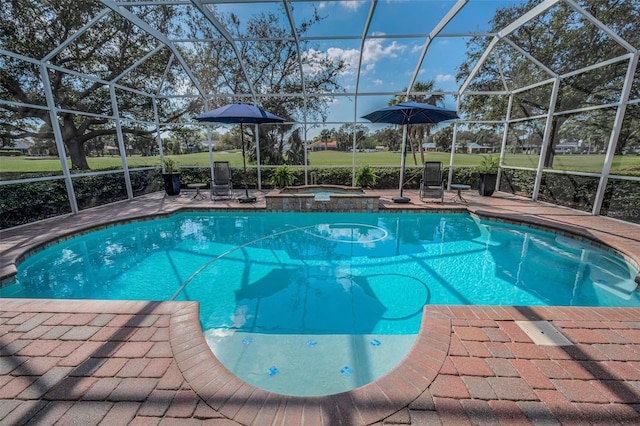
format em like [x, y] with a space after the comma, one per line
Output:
[112, 48]
[564, 41]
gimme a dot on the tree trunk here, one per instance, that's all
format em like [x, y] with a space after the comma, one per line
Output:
[420, 147]
[76, 153]
[413, 153]
[556, 123]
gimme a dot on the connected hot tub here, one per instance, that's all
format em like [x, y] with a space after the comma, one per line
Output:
[321, 198]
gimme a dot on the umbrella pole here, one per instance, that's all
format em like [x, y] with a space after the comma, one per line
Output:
[401, 198]
[246, 198]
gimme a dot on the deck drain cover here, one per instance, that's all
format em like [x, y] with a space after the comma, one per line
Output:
[543, 333]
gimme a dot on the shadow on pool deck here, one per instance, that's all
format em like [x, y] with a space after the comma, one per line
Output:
[110, 362]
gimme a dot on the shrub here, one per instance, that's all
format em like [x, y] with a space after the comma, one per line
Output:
[170, 165]
[489, 164]
[282, 176]
[365, 177]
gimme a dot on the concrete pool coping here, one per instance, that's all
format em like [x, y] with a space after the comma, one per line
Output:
[139, 362]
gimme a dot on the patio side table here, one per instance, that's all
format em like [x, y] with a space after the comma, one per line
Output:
[460, 187]
[198, 186]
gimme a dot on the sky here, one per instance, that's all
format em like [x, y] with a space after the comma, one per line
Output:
[388, 63]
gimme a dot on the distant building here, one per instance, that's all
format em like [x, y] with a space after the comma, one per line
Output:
[476, 148]
[571, 147]
[19, 145]
[322, 146]
[430, 147]
[111, 150]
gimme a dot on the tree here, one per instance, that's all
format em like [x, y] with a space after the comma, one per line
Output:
[418, 133]
[231, 139]
[111, 49]
[443, 138]
[387, 137]
[563, 40]
[145, 145]
[295, 154]
[344, 136]
[464, 138]
[488, 137]
[95, 147]
[272, 66]
[187, 137]
[326, 136]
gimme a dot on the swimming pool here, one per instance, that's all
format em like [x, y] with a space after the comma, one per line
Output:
[314, 304]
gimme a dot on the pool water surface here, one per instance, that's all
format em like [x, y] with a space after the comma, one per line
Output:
[315, 304]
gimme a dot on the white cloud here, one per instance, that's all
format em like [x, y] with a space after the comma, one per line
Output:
[440, 78]
[351, 5]
[310, 61]
[377, 82]
[350, 56]
[375, 50]
[417, 48]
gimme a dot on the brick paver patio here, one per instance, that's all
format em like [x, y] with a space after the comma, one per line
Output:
[112, 362]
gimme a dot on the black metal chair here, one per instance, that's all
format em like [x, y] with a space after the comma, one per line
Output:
[221, 186]
[432, 183]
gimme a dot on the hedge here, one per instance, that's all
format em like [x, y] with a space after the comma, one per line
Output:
[28, 202]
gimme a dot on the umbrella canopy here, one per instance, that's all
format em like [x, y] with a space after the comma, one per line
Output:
[240, 113]
[411, 113]
[406, 113]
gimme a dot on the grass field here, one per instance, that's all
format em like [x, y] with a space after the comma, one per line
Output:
[584, 163]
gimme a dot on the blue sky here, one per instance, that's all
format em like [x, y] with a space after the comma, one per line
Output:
[388, 63]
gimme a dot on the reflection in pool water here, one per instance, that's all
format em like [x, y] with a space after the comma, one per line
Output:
[336, 296]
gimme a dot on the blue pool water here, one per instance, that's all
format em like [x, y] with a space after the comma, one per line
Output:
[335, 297]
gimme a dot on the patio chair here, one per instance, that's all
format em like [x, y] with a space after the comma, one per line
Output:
[221, 186]
[432, 184]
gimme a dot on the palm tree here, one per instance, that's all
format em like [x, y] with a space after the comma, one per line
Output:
[420, 132]
[325, 136]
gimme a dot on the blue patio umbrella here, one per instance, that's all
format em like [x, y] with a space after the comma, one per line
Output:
[406, 113]
[240, 113]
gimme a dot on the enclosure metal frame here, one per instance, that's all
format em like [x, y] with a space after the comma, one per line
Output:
[164, 42]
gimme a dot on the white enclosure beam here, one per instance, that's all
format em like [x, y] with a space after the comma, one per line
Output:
[528, 16]
[57, 135]
[138, 63]
[622, 42]
[363, 40]
[125, 13]
[436, 30]
[121, 142]
[531, 58]
[227, 36]
[615, 134]
[76, 35]
[505, 138]
[453, 145]
[294, 31]
[546, 139]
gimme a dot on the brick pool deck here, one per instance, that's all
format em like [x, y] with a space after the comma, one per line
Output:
[112, 363]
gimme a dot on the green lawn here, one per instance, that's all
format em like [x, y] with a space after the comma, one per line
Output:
[584, 163]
